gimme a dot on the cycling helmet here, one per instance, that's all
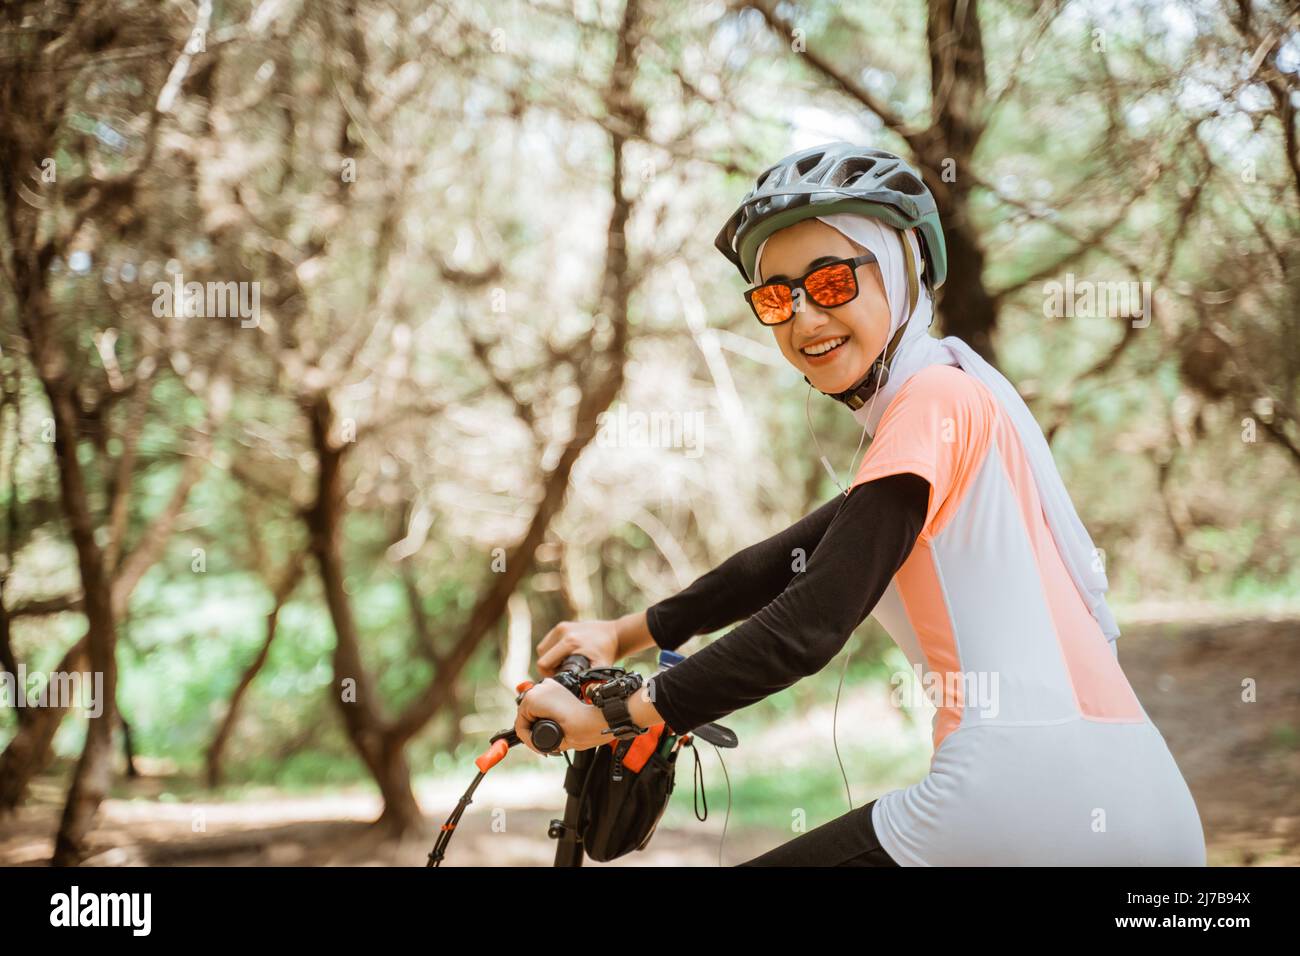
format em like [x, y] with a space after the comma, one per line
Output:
[829, 179]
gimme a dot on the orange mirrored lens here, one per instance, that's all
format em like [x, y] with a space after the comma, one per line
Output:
[772, 303]
[831, 285]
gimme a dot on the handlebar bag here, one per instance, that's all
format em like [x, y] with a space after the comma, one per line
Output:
[619, 811]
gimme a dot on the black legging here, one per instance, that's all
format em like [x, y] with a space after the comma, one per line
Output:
[849, 840]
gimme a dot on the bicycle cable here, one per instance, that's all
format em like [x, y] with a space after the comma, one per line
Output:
[835, 718]
[726, 819]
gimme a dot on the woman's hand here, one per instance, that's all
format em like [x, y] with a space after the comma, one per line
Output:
[581, 722]
[595, 640]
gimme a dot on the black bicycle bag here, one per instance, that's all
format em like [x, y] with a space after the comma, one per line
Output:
[623, 792]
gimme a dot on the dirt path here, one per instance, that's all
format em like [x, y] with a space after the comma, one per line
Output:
[1241, 759]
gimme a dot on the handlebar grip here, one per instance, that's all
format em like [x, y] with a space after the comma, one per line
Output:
[493, 755]
[546, 734]
[575, 663]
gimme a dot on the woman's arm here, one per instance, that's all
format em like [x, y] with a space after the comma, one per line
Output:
[738, 587]
[799, 632]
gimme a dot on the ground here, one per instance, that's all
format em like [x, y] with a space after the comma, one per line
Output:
[1226, 696]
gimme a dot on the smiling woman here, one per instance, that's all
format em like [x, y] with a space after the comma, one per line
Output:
[833, 328]
[957, 533]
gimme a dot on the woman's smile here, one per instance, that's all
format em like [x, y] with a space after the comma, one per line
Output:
[824, 349]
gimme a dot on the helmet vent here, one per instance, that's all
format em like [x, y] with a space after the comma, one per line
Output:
[905, 183]
[850, 172]
[807, 163]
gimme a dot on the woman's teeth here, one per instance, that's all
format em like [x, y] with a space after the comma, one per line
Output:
[821, 348]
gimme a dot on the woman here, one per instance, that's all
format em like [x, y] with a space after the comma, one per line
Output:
[956, 533]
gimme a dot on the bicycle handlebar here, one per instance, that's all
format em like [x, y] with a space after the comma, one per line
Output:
[547, 735]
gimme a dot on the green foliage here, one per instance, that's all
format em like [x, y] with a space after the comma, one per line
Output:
[492, 167]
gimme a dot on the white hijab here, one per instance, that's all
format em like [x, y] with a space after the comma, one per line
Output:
[918, 349]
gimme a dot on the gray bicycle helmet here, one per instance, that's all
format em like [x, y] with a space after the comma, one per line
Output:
[824, 180]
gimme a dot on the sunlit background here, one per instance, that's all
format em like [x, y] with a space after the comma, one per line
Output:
[483, 371]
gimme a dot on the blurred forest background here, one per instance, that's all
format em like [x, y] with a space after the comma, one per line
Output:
[311, 547]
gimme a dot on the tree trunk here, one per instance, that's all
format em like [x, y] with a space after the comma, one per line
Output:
[380, 744]
[89, 787]
[94, 770]
[28, 752]
[357, 699]
[128, 747]
[456, 708]
[958, 86]
[216, 749]
[8, 662]
[974, 316]
[402, 813]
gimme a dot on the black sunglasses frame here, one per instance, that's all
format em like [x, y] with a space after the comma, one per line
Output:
[798, 284]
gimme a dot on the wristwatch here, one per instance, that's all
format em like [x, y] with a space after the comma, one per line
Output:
[612, 697]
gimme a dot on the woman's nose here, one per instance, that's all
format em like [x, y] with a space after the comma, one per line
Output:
[809, 316]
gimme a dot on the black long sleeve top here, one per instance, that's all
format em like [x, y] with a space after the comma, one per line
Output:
[803, 590]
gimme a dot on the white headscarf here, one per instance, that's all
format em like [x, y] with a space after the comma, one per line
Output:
[918, 349]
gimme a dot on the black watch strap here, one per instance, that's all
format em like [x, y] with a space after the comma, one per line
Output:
[613, 705]
[620, 720]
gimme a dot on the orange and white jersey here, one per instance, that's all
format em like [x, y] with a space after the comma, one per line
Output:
[1042, 752]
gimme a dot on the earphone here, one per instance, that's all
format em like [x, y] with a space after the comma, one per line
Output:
[826, 463]
[885, 369]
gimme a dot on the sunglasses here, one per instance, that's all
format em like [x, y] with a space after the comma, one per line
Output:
[834, 283]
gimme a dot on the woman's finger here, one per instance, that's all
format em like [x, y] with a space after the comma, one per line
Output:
[563, 646]
[523, 730]
[555, 647]
[553, 635]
